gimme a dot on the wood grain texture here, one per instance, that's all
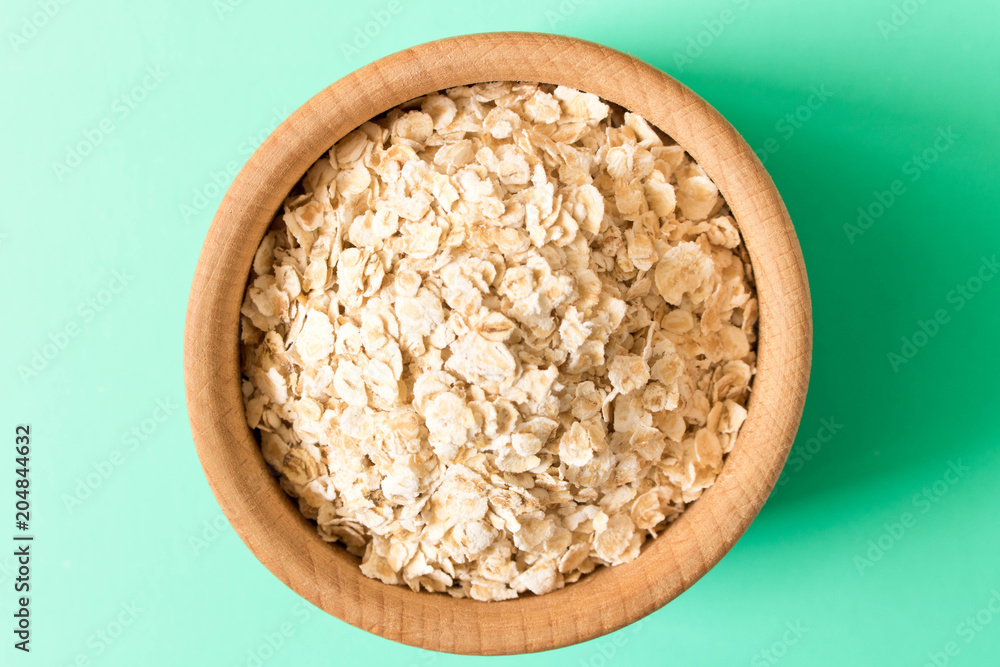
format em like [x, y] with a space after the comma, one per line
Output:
[270, 523]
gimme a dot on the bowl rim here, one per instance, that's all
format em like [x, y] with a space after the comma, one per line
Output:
[611, 597]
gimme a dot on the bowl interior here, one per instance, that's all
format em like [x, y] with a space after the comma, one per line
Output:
[611, 597]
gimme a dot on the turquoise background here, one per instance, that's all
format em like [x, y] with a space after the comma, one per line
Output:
[871, 549]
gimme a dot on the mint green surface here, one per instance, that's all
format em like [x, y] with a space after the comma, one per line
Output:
[874, 551]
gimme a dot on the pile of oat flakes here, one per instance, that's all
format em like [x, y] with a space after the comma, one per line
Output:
[499, 336]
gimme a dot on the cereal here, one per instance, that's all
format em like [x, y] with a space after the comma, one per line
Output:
[498, 337]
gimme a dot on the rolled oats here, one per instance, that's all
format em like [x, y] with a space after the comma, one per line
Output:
[497, 337]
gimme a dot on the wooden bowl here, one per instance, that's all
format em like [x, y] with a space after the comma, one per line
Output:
[269, 522]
